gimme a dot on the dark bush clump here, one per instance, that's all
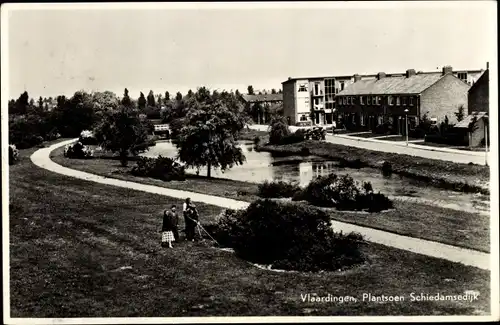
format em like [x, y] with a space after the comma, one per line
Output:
[386, 168]
[296, 137]
[78, 151]
[304, 151]
[256, 140]
[276, 189]
[278, 131]
[343, 193]
[163, 168]
[287, 236]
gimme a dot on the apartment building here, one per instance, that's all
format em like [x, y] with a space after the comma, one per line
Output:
[390, 99]
[261, 105]
[312, 100]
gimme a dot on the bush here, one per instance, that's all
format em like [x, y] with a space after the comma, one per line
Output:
[297, 136]
[287, 236]
[386, 168]
[163, 168]
[304, 151]
[343, 193]
[13, 154]
[316, 133]
[278, 131]
[78, 151]
[276, 189]
[87, 138]
[256, 140]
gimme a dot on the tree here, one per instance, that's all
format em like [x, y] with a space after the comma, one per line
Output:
[167, 96]
[273, 91]
[159, 100]
[178, 96]
[278, 130]
[73, 116]
[126, 101]
[151, 99]
[40, 103]
[280, 91]
[122, 131]
[209, 134]
[141, 102]
[250, 90]
[460, 113]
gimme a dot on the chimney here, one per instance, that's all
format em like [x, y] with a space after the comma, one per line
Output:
[487, 65]
[357, 77]
[380, 75]
[410, 72]
[447, 69]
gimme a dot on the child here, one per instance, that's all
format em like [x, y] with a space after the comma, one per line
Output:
[170, 221]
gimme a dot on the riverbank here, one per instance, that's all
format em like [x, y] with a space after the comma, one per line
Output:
[457, 228]
[82, 249]
[467, 178]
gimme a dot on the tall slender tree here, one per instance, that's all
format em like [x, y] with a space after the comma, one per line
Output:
[126, 101]
[141, 102]
[250, 90]
[151, 99]
[167, 96]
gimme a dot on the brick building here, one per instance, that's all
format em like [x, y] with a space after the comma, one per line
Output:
[388, 99]
[262, 105]
[312, 100]
[479, 94]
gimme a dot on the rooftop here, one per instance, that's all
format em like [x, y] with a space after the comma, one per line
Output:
[374, 75]
[393, 85]
[263, 97]
[464, 124]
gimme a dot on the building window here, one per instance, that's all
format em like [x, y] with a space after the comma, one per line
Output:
[462, 76]
[379, 100]
[411, 101]
[353, 100]
[303, 117]
[398, 101]
[361, 100]
[341, 85]
[374, 100]
[344, 100]
[390, 100]
[336, 90]
[302, 88]
[368, 100]
[316, 88]
[404, 101]
[362, 119]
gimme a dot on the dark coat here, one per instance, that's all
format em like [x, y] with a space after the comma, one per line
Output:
[170, 221]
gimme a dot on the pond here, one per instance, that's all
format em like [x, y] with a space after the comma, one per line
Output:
[262, 166]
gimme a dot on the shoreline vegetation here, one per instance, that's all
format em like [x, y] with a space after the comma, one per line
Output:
[96, 250]
[467, 178]
[457, 228]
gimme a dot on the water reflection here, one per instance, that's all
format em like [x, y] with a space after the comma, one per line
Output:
[262, 166]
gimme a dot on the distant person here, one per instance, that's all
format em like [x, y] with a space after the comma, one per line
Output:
[169, 228]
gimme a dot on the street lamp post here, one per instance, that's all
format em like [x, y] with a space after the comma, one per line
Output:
[406, 121]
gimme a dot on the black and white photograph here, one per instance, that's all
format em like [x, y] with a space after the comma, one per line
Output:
[245, 162]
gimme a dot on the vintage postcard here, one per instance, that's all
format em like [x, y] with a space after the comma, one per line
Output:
[249, 162]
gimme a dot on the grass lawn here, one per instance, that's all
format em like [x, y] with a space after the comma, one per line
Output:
[448, 226]
[438, 173]
[249, 134]
[441, 145]
[82, 249]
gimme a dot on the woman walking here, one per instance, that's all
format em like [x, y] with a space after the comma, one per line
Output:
[170, 221]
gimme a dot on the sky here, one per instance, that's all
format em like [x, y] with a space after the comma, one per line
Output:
[175, 48]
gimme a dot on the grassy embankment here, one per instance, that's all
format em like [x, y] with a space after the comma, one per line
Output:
[458, 228]
[82, 249]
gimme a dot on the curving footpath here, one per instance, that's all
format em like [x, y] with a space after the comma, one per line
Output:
[41, 158]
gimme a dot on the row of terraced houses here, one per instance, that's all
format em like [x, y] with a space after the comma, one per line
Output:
[361, 102]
